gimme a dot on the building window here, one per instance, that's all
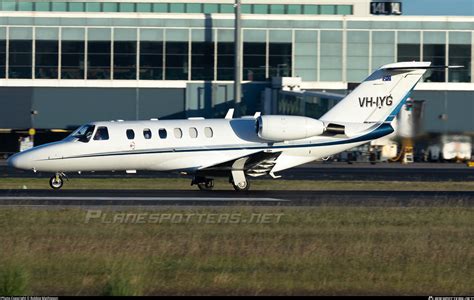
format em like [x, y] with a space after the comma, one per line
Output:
[202, 63]
[59, 6]
[260, 9]
[226, 8]
[254, 61]
[408, 52]
[42, 6]
[176, 61]
[160, 7]
[210, 8]
[208, 132]
[328, 9]
[194, 8]
[311, 9]
[193, 133]
[162, 133]
[110, 7]
[207, 8]
[126, 7]
[125, 60]
[344, 9]
[76, 7]
[93, 7]
[147, 133]
[178, 133]
[3, 57]
[46, 60]
[98, 60]
[151, 60]
[277, 9]
[72, 59]
[225, 61]
[331, 53]
[436, 53]
[25, 6]
[144, 7]
[20, 58]
[280, 59]
[130, 134]
[177, 8]
[101, 134]
[246, 8]
[460, 55]
[383, 48]
[295, 9]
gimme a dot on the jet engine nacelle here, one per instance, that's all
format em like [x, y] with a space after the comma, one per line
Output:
[285, 128]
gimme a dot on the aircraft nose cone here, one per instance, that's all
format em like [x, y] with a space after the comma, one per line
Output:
[12, 161]
[17, 161]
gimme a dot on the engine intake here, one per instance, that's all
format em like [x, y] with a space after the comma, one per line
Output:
[286, 128]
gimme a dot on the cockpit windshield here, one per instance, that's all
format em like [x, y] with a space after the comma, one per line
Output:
[83, 133]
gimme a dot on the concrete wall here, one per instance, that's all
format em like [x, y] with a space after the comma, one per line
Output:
[70, 107]
[458, 106]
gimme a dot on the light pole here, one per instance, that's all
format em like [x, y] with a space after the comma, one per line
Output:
[238, 56]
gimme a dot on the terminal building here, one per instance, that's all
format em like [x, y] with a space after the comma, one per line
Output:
[66, 63]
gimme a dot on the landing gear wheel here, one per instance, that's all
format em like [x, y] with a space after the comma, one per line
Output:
[56, 182]
[242, 186]
[207, 185]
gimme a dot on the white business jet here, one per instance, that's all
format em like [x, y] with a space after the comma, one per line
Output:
[235, 147]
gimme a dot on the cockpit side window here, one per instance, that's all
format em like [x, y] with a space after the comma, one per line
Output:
[102, 134]
[83, 133]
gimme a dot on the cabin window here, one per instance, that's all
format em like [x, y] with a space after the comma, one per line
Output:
[102, 134]
[193, 133]
[147, 133]
[83, 133]
[178, 133]
[208, 132]
[130, 134]
[162, 133]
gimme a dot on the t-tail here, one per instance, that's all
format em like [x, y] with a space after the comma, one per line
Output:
[380, 97]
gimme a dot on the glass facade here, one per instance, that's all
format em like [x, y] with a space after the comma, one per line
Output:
[20, 59]
[46, 59]
[206, 8]
[183, 52]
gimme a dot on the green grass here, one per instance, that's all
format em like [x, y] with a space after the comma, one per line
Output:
[321, 250]
[13, 280]
[222, 184]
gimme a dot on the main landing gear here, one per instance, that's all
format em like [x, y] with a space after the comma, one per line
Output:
[56, 182]
[203, 183]
[239, 182]
[237, 179]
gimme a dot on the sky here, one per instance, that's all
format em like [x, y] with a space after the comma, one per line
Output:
[438, 7]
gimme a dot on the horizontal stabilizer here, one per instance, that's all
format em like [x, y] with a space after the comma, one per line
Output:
[416, 66]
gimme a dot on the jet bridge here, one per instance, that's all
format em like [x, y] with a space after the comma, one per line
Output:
[285, 97]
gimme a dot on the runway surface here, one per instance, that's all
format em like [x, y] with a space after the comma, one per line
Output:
[147, 198]
[314, 171]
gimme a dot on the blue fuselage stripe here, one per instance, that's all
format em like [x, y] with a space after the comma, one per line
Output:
[382, 130]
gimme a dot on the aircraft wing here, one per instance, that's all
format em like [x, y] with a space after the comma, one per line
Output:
[256, 164]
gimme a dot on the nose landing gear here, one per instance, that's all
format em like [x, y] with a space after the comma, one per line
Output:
[56, 182]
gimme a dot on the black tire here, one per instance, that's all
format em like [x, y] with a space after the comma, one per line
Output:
[206, 186]
[240, 188]
[56, 183]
